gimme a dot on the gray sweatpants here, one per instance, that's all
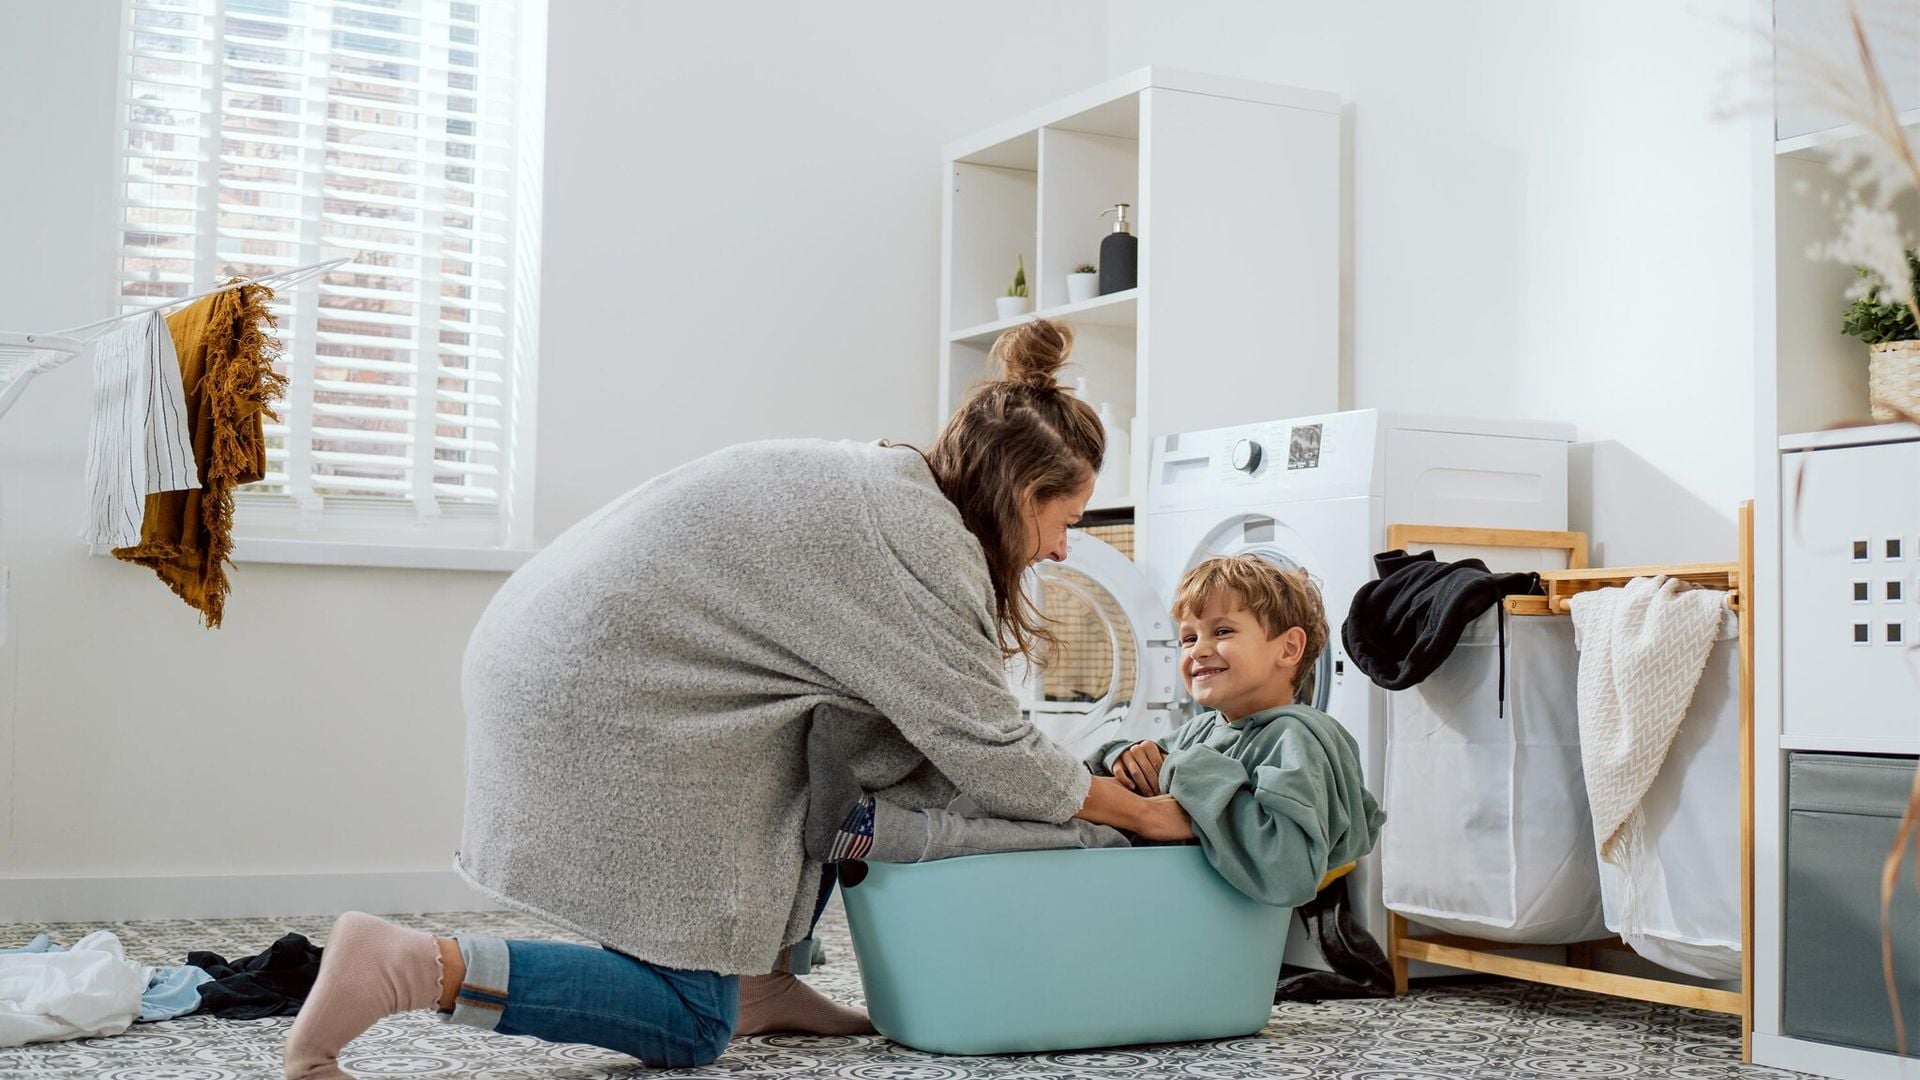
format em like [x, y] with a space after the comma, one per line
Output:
[960, 829]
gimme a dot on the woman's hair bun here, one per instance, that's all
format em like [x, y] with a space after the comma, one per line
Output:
[1033, 352]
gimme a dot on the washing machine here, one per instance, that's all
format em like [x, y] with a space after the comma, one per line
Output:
[1315, 492]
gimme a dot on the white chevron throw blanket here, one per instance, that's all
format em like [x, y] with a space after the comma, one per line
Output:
[1642, 650]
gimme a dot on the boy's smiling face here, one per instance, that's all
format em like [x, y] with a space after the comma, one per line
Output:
[1229, 662]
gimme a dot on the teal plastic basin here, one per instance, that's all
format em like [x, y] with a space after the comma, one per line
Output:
[1055, 950]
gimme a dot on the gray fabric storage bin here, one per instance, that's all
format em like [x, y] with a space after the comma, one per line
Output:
[1843, 813]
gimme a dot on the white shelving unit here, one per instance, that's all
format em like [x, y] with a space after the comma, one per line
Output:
[1808, 377]
[1235, 190]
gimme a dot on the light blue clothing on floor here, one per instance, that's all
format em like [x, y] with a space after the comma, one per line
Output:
[39, 944]
[171, 992]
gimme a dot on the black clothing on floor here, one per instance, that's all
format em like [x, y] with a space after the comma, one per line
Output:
[1359, 968]
[272, 983]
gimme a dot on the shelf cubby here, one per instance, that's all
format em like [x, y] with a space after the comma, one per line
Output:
[1234, 196]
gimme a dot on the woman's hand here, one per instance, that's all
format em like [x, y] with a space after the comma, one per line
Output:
[1110, 803]
[1138, 767]
[1159, 818]
[1162, 818]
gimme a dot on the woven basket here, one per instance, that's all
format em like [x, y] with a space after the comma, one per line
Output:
[1893, 379]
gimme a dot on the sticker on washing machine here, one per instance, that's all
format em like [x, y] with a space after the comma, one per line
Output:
[1303, 447]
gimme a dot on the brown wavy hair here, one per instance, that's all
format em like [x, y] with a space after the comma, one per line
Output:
[1280, 598]
[1019, 439]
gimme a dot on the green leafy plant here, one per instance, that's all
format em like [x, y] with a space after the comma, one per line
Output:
[1019, 286]
[1085, 268]
[1874, 319]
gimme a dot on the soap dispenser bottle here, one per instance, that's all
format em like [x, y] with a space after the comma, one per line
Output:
[1119, 254]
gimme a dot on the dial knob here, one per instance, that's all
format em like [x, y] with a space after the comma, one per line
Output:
[1246, 455]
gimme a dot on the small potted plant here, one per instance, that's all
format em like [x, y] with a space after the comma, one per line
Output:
[1015, 303]
[1893, 365]
[1083, 283]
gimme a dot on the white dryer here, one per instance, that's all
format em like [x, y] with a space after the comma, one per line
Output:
[1316, 492]
[1116, 673]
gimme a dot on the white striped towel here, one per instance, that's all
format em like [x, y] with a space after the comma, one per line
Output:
[140, 441]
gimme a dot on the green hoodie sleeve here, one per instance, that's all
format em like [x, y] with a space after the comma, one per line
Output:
[1101, 760]
[1274, 829]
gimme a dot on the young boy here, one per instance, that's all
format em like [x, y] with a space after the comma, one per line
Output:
[1273, 788]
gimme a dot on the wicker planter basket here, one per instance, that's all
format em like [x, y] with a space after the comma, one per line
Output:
[1893, 379]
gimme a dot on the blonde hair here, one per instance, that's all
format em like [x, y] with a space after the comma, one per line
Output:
[1280, 598]
[1018, 439]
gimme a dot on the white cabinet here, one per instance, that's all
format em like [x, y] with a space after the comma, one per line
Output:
[1832, 668]
[1850, 552]
[1235, 195]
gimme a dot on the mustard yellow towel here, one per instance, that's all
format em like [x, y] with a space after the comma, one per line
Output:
[227, 348]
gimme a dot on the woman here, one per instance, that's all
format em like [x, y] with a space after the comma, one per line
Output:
[655, 700]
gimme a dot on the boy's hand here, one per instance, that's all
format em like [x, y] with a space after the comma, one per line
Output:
[1162, 818]
[1138, 767]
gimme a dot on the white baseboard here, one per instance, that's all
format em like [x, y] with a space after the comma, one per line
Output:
[120, 899]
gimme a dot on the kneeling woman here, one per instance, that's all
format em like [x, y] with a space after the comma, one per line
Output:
[657, 700]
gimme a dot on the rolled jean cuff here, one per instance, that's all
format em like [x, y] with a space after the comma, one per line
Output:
[483, 993]
[797, 958]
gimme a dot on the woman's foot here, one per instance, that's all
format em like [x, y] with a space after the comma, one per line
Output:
[781, 1002]
[370, 968]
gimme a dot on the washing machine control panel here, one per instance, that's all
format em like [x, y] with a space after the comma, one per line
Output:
[1313, 457]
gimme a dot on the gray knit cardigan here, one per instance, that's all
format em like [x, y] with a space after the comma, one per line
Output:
[653, 700]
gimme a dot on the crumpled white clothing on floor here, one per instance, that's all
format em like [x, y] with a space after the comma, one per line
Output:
[90, 989]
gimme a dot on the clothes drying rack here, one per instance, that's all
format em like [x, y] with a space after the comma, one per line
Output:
[1579, 972]
[24, 355]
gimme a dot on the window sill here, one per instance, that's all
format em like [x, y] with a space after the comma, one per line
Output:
[271, 550]
[395, 556]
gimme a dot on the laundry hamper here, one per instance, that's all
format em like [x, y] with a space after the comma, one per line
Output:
[1054, 950]
[1689, 906]
[1487, 832]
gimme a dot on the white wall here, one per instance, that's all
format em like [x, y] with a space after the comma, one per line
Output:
[1548, 223]
[742, 230]
[756, 252]
[742, 242]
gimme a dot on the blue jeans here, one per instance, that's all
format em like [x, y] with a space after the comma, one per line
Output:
[579, 994]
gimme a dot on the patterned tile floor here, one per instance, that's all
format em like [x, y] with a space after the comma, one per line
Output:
[1486, 1029]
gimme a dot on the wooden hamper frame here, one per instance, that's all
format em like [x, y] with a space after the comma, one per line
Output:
[1473, 954]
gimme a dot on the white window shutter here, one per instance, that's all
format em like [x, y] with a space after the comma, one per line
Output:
[261, 135]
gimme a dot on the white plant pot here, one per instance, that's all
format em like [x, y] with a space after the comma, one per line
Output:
[1012, 307]
[1082, 287]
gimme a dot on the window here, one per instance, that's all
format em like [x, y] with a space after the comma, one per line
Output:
[262, 135]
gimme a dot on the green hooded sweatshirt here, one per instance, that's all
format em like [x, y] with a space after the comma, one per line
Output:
[1276, 799]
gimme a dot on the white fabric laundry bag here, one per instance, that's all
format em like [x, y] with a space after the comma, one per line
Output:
[90, 989]
[1687, 915]
[1487, 830]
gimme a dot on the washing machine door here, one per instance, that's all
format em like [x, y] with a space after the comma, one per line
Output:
[1273, 540]
[1112, 674]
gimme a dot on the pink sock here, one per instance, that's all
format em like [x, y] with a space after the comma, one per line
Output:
[781, 1002]
[370, 968]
